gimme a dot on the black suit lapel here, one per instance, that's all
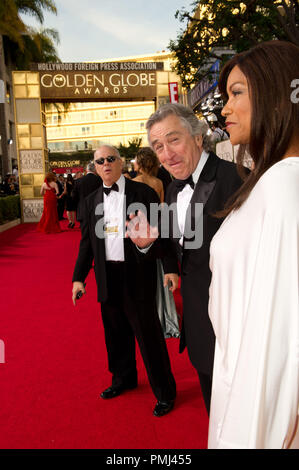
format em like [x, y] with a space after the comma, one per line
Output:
[171, 201]
[98, 222]
[129, 195]
[128, 200]
[99, 203]
[137, 199]
[206, 181]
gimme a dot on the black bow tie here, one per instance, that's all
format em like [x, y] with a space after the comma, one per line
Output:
[114, 187]
[180, 184]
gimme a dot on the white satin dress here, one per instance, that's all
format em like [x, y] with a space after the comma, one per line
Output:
[254, 309]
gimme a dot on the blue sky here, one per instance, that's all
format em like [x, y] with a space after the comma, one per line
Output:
[93, 30]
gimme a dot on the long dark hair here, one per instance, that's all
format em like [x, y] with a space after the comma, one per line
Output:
[147, 161]
[69, 178]
[271, 69]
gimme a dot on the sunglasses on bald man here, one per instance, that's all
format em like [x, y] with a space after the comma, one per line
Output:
[110, 159]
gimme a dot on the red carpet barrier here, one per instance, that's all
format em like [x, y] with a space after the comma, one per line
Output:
[54, 365]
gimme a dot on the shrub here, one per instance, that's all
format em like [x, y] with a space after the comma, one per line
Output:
[9, 208]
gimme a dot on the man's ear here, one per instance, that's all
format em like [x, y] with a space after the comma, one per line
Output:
[199, 140]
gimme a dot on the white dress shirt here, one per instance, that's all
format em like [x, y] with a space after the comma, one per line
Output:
[114, 222]
[185, 195]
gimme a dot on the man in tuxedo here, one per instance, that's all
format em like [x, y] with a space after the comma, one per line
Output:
[60, 201]
[83, 187]
[126, 281]
[181, 144]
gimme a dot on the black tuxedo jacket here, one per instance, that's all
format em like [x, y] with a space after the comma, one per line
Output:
[60, 187]
[165, 177]
[82, 188]
[217, 182]
[140, 269]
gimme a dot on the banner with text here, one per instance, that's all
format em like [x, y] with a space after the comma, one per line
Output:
[77, 81]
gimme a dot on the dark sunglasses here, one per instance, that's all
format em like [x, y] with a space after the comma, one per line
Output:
[110, 159]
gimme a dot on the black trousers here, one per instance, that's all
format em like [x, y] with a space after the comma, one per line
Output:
[126, 318]
[60, 208]
[206, 388]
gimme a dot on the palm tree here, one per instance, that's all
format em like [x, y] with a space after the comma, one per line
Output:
[26, 44]
[21, 44]
[35, 8]
[11, 24]
[38, 46]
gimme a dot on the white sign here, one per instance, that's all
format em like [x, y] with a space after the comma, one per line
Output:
[32, 210]
[227, 151]
[173, 92]
[31, 161]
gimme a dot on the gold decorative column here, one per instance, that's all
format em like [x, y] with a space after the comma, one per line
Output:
[31, 143]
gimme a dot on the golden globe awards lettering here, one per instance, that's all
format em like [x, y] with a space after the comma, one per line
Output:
[113, 80]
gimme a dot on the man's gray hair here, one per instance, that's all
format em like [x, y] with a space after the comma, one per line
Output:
[110, 147]
[91, 167]
[194, 125]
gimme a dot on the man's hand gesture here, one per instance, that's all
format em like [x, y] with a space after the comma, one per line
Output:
[140, 231]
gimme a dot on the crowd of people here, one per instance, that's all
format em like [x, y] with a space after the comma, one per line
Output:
[233, 241]
[67, 194]
[72, 190]
[9, 185]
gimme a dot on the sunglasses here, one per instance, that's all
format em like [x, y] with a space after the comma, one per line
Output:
[110, 159]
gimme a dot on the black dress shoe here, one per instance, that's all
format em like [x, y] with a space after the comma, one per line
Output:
[115, 390]
[163, 407]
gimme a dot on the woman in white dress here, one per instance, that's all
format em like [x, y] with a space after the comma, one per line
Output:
[254, 293]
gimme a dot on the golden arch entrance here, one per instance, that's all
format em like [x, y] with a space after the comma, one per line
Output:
[71, 82]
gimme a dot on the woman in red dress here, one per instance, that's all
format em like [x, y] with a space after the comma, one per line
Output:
[49, 222]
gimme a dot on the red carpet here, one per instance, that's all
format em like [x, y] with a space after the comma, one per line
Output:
[55, 361]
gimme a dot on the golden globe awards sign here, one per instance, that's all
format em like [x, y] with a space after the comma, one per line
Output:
[98, 81]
